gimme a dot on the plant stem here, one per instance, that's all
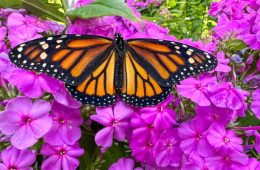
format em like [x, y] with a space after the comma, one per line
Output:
[246, 128]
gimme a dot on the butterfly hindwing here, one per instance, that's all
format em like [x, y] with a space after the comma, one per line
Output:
[69, 58]
[169, 62]
[98, 88]
[139, 87]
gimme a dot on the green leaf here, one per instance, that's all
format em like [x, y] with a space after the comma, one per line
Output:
[10, 4]
[42, 10]
[103, 8]
[236, 45]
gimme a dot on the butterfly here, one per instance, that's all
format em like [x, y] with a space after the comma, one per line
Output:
[96, 70]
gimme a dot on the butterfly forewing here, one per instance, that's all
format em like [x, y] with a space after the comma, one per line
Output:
[169, 62]
[70, 58]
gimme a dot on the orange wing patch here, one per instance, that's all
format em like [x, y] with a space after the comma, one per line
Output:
[137, 81]
[87, 43]
[101, 81]
[151, 45]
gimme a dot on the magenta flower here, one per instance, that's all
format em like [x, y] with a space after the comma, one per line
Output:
[196, 90]
[194, 162]
[167, 151]
[123, 163]
[61, 157]
[65, 128]
[13, 159]
[143, 150]
[6, 67]
[116, 121]
[224, 95]
[222, 63]
[194, 137]
[25, 121]
[63, 97]
[162, 116]
[255, 106]
[142, 129]
[225, 159]
[33, 84]
[213, 114]
[218, 137]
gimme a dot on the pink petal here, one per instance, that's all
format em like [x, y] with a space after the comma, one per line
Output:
[23, 138]
[120, 130]
[71, 134]
[48, 150]
[122, 111]
[188, 145]
[40, 108]
[53, 137]
[15, 20]
[41, 126]
[69, 163]
[49, 84]
[104, 137]
[25, 159]
[9, 122]
[53, 162]
[20, 105]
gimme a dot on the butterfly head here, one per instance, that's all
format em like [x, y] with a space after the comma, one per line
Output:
[119, 40]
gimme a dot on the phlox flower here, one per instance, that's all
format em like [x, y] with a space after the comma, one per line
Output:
[25, 121]
[255, 106]
[196, 90]
[63, 97]
[124, 163]
[222, 63]
[162, 116]
[194, 162]
[33, 84]
[225, 159]
[213, 114]
[14, 159]
[224, 95]
[218, 137]
[167, 151]
[142, 129]
[61, 157]
[6, 67]
[253, 164]
[65, 128]
[116, 122]
[143, 150]
[194, 137]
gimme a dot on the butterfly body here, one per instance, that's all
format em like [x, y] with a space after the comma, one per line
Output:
[141, 72]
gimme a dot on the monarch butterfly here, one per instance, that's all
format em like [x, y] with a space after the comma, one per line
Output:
[97, 69]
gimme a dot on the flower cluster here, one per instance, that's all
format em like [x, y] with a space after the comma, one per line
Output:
[28, 118]
[201, 125]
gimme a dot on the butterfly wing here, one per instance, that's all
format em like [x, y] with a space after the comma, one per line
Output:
[98, 88]
[139, 87]
[169, 62]
[70, 58]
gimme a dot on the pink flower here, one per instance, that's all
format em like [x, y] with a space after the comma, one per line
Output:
[25, 121]
[255, 106]
[194, 137]
[33, 84]
[65, 128]
[167, 151]
[196, 90]
[195, 162]
[225, 159]
[116, 121]
[219, 137]
[222, 63]
[62, 96]
[162, 116]
[143, 150]
[13, 158]
[224, 95]
[61, 157]
[213, 114]
[123, 163]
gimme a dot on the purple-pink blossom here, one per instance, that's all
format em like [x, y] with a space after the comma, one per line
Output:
[65, 128]
[25, 121]
[116, 122]
[124, 163]
[196, 90]
[255, 106]
[62, 157]
[33, 84]
[13, 158]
